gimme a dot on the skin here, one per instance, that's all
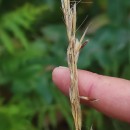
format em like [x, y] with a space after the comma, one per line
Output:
[113, 94]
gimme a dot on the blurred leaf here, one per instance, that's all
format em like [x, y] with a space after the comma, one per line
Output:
[5, 122]
[5, 38]
[23, 17]
[97, 22]
[53, 117]
[55, 33]
[120, 125]
[126, 73]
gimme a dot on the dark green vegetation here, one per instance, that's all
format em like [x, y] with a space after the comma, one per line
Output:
[33, 41]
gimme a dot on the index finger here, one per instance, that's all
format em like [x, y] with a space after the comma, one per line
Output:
[113, 93]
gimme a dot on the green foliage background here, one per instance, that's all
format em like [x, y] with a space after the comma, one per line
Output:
[33, 41]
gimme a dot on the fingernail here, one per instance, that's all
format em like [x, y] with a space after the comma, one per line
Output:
[63, 67]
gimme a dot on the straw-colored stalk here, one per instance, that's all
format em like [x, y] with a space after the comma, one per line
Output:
[73, 50]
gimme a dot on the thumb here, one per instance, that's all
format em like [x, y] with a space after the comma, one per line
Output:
[113, 93]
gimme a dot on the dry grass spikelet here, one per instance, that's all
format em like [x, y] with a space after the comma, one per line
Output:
[73, 50]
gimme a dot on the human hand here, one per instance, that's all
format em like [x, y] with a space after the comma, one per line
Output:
[113, 93]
